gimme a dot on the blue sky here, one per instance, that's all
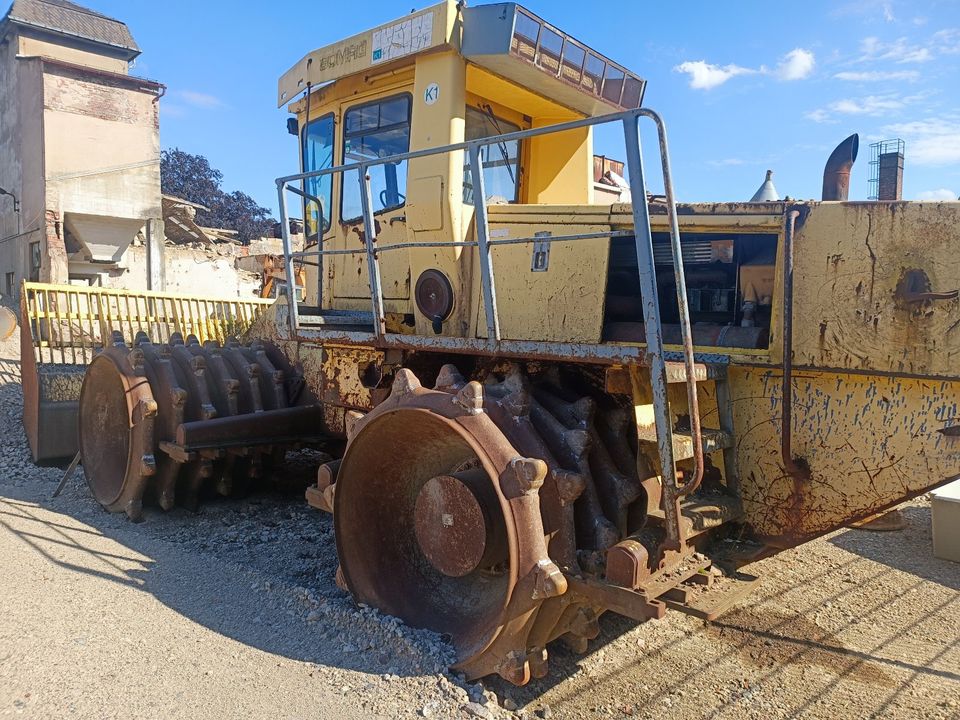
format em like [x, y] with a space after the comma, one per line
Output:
[743, 86]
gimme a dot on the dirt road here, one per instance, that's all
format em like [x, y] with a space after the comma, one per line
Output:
[233, 613]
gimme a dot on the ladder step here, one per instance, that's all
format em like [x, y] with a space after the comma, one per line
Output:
[677, 372]
[700, 514]
[338, 318]
[713, 440]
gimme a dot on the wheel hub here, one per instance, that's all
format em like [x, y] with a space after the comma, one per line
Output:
[452, 528]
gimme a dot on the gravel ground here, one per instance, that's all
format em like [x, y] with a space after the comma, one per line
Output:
[233, 612]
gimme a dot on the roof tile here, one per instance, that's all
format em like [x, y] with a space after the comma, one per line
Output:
[71, 19]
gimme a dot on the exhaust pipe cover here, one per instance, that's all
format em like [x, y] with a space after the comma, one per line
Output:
[836, 174]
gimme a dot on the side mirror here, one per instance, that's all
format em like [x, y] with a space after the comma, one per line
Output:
[292, 126]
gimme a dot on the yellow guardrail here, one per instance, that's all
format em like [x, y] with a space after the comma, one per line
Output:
[68, 324]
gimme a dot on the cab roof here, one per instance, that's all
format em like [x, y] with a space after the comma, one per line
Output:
[503, 38]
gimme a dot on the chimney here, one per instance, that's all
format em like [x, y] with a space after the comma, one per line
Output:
[890, 182]
[886, 169]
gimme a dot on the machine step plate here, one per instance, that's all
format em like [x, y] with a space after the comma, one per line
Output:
[710, 601]
[702, 514]
[713, 440]
[335, 317]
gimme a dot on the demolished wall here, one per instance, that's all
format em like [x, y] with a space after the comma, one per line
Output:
[191, 271]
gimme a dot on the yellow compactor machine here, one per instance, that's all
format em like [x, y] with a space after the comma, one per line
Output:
[547, 408]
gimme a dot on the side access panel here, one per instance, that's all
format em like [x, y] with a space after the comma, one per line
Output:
[876, 318]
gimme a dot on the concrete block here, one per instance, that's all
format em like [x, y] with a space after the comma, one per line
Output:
[945, 509]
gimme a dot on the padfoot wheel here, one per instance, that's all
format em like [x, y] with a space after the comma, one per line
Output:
[134, 402]
[446, 502]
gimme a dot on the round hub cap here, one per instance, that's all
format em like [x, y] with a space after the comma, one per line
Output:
[450, 525]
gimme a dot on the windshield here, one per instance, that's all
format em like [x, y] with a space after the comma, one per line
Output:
[318, 155]
[376, 130]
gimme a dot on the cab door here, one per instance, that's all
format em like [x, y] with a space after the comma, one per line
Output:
[375, 129]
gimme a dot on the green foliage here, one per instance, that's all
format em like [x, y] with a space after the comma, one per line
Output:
[192, 178]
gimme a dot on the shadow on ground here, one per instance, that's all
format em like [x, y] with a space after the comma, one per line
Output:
[234, 566]
[909, 550]
[239, 568]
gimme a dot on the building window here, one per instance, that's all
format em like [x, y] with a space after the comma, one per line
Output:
[501, 161]
[318, 155]
[11, 283]
[35, 261]
[376, 130]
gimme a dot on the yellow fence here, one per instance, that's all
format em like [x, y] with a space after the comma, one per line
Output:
[68, 324]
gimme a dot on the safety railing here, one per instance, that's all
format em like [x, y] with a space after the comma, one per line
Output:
[493, 343]
[69, 324]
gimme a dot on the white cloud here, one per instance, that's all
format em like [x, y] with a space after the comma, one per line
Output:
[878, 76]
[795, 65]
[929, 142]
[869, 105]
[819, 115]
[726, 162]
[704, 75]
[947, 42]
[866, 9]
[941, 194]
[199, 99]
[899, 51]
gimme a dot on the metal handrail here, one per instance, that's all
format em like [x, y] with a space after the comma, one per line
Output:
[654, 353]
[467, 144]
[467, 243]
[68, 324]
[476, 169]
[686, 332]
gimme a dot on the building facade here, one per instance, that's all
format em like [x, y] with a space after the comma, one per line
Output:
[79, 151]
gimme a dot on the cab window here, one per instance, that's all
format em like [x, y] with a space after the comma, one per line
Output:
[376, 130]
[501, 161]
[318, 155]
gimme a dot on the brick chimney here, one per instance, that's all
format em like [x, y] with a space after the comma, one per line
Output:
[890, 176]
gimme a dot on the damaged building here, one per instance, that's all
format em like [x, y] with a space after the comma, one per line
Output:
[79, 149]
[80, 194]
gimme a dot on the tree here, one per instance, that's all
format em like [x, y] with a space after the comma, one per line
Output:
[192, 178]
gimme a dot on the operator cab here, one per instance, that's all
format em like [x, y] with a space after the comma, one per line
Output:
[449, 74]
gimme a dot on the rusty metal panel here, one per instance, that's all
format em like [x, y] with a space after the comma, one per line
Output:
[858, 270]
[563, 303]
[862, 443]
[352, 376]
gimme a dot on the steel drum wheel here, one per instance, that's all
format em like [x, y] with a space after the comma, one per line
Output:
[117, 413]
[135, 399]
[437, 519]
[391, 521]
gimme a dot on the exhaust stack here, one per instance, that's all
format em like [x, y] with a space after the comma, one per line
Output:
[836, 175]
